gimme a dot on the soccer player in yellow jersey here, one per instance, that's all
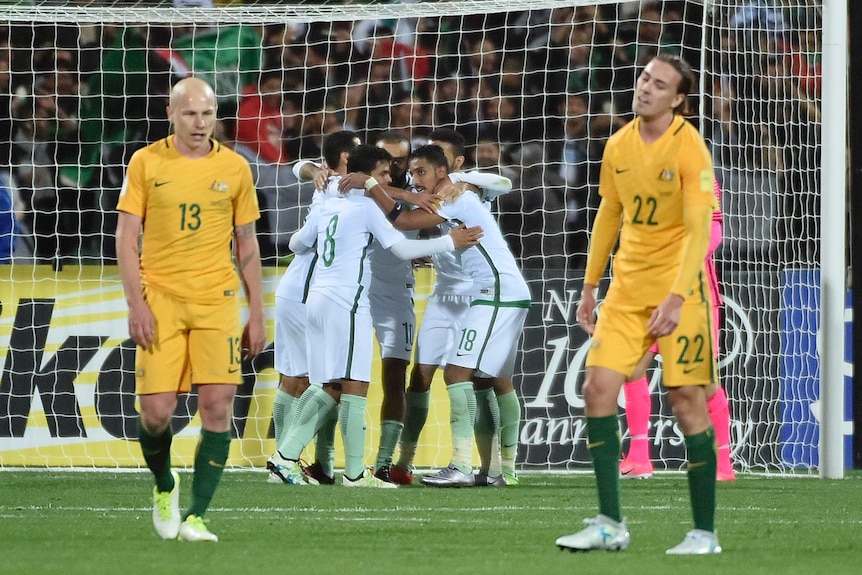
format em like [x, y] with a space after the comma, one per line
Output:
[189, 199]
[656, 187]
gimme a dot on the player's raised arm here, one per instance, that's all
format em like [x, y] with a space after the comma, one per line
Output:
[425, 200]
[490, 185]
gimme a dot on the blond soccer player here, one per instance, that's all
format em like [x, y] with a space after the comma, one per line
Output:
[188, 199]
[656, 188]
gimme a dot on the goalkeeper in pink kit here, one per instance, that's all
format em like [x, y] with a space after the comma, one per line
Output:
[636, 463]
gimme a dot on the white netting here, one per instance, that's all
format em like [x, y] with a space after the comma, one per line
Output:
[536, 87]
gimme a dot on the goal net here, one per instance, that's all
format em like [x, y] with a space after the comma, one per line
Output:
[535, 88]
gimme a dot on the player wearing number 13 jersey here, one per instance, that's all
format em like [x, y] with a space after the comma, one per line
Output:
[195, 203]
[191, 208]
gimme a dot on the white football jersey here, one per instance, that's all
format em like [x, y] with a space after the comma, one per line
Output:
[491, 265]
[452, 279]
[390, 275]
[296, 280]
[343, 230]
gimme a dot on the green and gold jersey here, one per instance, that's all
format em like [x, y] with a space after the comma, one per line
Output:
[190, 208]
[654, 183]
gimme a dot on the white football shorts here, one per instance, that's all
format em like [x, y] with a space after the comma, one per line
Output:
[291, 357]
[488, 340]
[394, 322]
[338, 342]
[440, 325]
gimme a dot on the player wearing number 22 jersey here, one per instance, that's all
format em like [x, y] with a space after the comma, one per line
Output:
[653, 197]
[656, 187]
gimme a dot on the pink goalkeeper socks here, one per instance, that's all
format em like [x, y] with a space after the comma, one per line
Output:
[638, 408]
[719, 414]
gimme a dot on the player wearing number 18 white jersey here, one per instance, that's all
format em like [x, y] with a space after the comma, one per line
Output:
[491, 330]
[438, 332]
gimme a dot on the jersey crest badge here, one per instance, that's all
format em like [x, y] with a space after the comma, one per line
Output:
[218, 186]
[666, 175]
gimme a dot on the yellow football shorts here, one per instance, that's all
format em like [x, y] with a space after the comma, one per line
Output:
[621, 339]
[195, 344]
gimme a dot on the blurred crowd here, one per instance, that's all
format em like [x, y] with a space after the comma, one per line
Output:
[534, 93]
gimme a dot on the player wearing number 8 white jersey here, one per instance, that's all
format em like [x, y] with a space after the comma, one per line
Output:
[290, 353]
[391, 300]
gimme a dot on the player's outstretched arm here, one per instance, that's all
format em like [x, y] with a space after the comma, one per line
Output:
[459, 237]
[425, 200]
[490, 185]
[400, 218]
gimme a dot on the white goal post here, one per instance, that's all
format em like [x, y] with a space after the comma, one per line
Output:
[535, 87]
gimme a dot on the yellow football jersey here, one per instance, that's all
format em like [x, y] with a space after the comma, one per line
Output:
[654, 183]
[190, 208]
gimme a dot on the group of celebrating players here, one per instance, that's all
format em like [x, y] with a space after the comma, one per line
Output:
[192, 199]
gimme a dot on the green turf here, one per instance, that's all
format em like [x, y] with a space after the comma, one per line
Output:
[94, 523]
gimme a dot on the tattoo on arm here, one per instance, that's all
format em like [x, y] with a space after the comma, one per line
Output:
[242, 234]
[245, 231]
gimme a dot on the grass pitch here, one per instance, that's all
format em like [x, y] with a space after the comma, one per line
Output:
[97, 522]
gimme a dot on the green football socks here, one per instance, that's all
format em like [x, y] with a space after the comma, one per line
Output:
[487, 428]
[324, 442]
[390, 432]
[510, 425]
[351, 419]
[280, 408]
[312, 408]
[462, 405]
[702, 461]
[603, 437]
[414, 421]
[157, 454]
[211, 456]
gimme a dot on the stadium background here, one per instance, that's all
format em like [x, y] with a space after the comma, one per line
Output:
[65, 392]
